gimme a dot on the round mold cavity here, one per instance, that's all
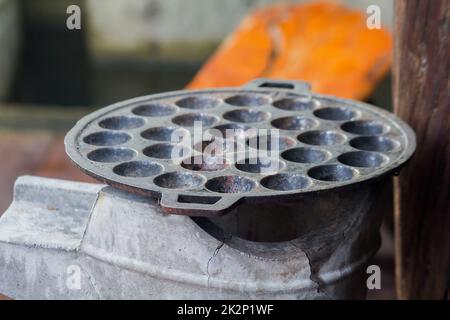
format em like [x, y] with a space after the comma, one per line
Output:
[154, 110]
[179, 180]
[198, 103]
[138, 169]
[363, 159]
[231, 130]
[285, 182]
[260, 165]
[305, 155]
[121, 123]
[297, 104]
[202, 163]
[335, 113]
[107, 138]
[189, 119]
[364, 127]
[166, 151]
[374, 143]
[230, 184]
[321, 138]
[246, 116]
[294, 123]
[111, 155]
[331, 172]
[172, 134]
[248, 100]
[271, 142]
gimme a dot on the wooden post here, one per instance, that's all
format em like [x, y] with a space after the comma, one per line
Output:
[421, 97]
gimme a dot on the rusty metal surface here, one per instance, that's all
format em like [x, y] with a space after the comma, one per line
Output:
[325, 144]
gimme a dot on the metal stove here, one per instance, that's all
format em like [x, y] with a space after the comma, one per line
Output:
[273, 197]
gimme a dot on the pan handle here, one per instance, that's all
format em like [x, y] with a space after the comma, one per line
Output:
[289, 85]
[196, 206]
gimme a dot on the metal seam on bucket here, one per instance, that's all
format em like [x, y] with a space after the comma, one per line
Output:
[202, 280]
